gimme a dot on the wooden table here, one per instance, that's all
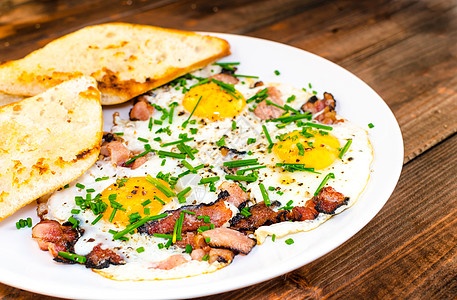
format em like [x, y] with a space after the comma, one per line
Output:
[406, 50]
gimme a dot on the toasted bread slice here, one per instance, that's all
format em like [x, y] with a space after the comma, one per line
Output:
[126, 60]
[47, 141]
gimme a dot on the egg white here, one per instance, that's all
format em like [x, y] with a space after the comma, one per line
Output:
[351, 175]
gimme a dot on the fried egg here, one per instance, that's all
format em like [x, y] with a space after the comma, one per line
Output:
[208, 117]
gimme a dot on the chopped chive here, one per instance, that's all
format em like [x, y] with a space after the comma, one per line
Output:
[90, 190]
[318, 126]
[277, 72]
[136, 157]
[171, 154]
[177, 142]
[264, 192]
[184, 192]
[301, 149]
[188, 249]
[245, 76]
[370, 125]
[81, 186]
[209, 179]
[140, 249]
[160, 186]
[158, 122]
[290, 99]
[137, 224]
[259, 96]
[289, 241]
[163, 162]
[241, 172]
[205, 258]
[204, 81]
[193, 110]
[287, 119]
[188, 166]
[233, 125]
[172, 109]
[345, 148]
[97, 219]
[146, 202]
[29, 222]
[71, 256]
[101, 178]
[113, 213]
[147, 211]
[296, 167]
[273, 237]
[189, 212]
[241, 178]
[324, 181]
[67, 185]
[160, 200]
[269, 102]
[251, 141]
[162, 235]
[143, 140]
[245, 212]
[221, 141]
[267, 135]
[75, 211]
[160, 245]
[186, 150]
[158, 139]
[241, 163]
[193, 130]
[150, 124]
[119, 133]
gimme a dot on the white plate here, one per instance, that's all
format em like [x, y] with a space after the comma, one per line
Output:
[26, 267]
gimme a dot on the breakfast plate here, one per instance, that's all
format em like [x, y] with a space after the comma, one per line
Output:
[26, 267]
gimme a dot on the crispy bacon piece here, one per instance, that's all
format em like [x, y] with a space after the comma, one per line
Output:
[236, 195]
[327, 105]
[169, 263]
[100, 258]
[260, 215]
[53, 237]
[227, 238]
[218, 212]
[226, 78]
[138, 162]
[221, 255]
[329, 200]
[117, 151]
[141, 111]
[265, 111]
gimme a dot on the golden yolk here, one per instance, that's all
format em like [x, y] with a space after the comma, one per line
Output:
[215, 103]
[130, 194]
[318, 152]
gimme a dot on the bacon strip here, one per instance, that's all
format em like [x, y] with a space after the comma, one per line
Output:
[327, 105]
[327, 201]
[265, 111]
[53, 237]
[100, 258]
[218, 212]
[236, 195]
[227, 238]
[226, 78]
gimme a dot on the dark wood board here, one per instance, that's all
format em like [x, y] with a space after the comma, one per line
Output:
[405, 50]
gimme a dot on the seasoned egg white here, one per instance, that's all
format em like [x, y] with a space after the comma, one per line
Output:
[351, 175]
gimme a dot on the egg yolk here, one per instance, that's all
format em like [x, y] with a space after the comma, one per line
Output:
[132, 193]
[215, 103]
[318, 151]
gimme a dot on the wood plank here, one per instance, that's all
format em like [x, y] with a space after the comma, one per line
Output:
[406, 51]
[44, 21]
[409, 250]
